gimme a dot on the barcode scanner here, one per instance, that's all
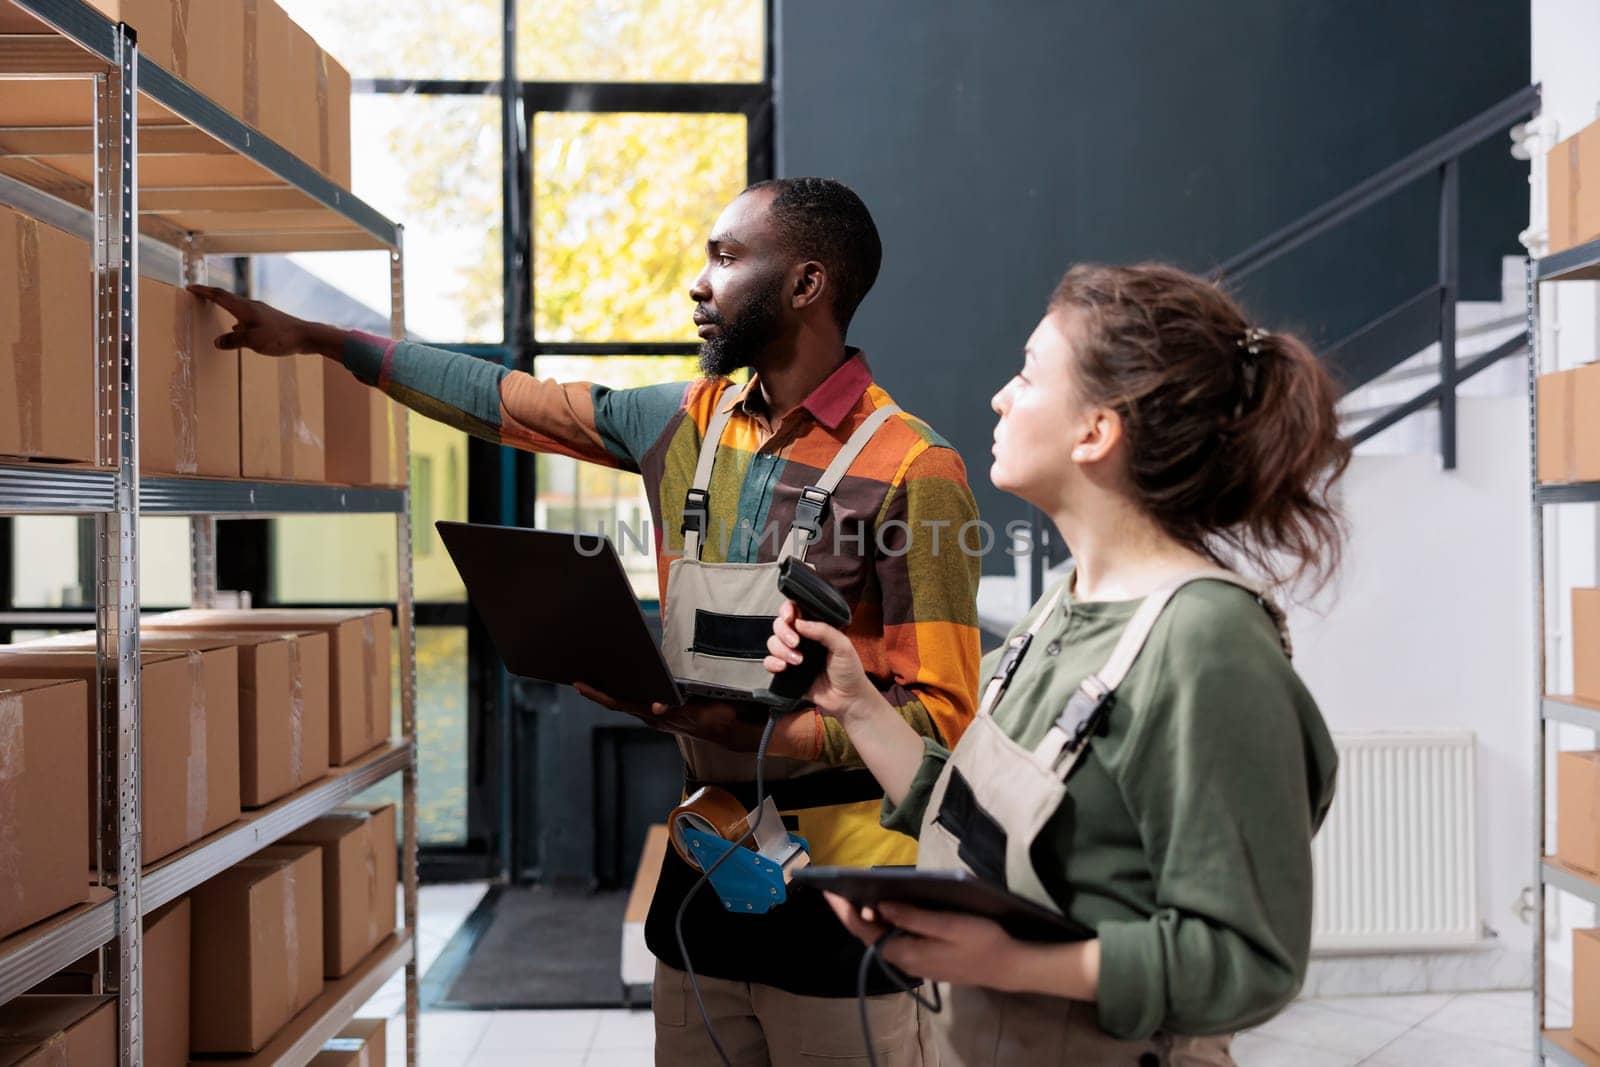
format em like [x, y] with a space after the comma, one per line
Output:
[820, 602]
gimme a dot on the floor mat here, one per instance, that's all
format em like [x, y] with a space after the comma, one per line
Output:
[535, 947]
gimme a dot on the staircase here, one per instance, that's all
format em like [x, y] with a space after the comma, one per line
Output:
[1425, 329]
[1384, 413]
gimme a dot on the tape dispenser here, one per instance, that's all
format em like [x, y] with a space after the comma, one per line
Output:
[711, 822]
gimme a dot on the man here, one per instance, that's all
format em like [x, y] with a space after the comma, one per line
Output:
[787, 264]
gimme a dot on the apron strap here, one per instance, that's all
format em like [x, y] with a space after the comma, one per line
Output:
[1016, 648]
[813, 503]
[696, 503]
[1069, 735]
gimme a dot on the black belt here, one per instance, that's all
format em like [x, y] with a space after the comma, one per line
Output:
[818, 790]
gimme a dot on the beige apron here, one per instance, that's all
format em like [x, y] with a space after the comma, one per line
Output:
[1021, 790]
[718, 616]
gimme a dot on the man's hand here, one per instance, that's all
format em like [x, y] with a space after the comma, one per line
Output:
[797, 736]
[264, 329]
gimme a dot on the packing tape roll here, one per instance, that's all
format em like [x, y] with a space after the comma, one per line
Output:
[324, 142]
[291, 936]
[369, 657]
[28, 349]
[195, 765]
[13, 762]
[251, 68]
[181, 389]
[710, 810]
[180, 38]
[297, 715]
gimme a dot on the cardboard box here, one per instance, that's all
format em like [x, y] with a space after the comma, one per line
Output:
[52, 1031]
[283, 702]
[1586, 644]
[358, 882]
[47, 351]
[188, 391]
[152, 19]
[276, 102]
[1554, 400]
[1584, 429]
[281, 423]
[44, 798]
[1578, 810]
[189, 741]
[366, 431]
[333, 91]
[208, 51]
[283, 707]
[308, 99]
[1586, 987]
[1572, 173]
[358, 663]
[359, 1044]
[256, 958]
[165, 981]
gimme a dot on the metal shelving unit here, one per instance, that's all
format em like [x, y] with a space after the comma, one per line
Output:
[1555, 1046]
[287, 207]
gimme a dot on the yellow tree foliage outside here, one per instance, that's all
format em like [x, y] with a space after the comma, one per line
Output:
[623, 201]
[624, 204]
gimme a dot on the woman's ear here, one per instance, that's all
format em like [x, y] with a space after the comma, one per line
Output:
[1097, 435]
[810, 283]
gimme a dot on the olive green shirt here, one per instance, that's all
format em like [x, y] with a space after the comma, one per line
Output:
[1184, 840]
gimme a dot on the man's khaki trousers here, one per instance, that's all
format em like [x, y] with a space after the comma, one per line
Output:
[761, 1026]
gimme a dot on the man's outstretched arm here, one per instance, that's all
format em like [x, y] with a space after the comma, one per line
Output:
[482, 398]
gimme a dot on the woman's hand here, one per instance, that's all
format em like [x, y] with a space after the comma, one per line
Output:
[939, 946]
[966, 950]
[841, 690]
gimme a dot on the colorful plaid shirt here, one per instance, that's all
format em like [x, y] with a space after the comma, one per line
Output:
[896, 542]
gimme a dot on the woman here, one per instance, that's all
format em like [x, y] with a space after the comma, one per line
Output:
[1150, 766]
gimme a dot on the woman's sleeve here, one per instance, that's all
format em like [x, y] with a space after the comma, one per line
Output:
[1226, 781]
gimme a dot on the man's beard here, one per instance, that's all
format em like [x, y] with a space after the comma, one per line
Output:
[739, 340]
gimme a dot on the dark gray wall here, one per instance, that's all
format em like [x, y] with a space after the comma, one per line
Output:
[997, 141]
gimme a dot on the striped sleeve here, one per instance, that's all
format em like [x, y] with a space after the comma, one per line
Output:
[929, 580]
[488, 401]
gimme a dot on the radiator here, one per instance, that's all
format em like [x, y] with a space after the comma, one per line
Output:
[1395, 864]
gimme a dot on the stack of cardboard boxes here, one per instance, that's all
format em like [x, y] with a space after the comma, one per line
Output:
[240, 709]
[247, 56]
[229, 967]
[202, 412]
[1578, 815]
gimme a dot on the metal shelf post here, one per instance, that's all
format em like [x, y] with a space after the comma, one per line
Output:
[117, 532]
[408, 679]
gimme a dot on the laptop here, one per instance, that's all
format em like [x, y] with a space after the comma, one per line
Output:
[559, 608]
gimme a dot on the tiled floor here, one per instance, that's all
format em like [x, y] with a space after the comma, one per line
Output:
[1461, 1030]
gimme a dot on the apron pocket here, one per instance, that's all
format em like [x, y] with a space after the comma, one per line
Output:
[731, 636]
[981, 839]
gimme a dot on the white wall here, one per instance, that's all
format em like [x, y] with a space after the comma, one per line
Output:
[1427, 627]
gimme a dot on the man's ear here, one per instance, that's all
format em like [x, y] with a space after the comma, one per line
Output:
[810, 284]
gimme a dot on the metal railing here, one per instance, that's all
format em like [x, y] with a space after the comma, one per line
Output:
[1427, 317]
